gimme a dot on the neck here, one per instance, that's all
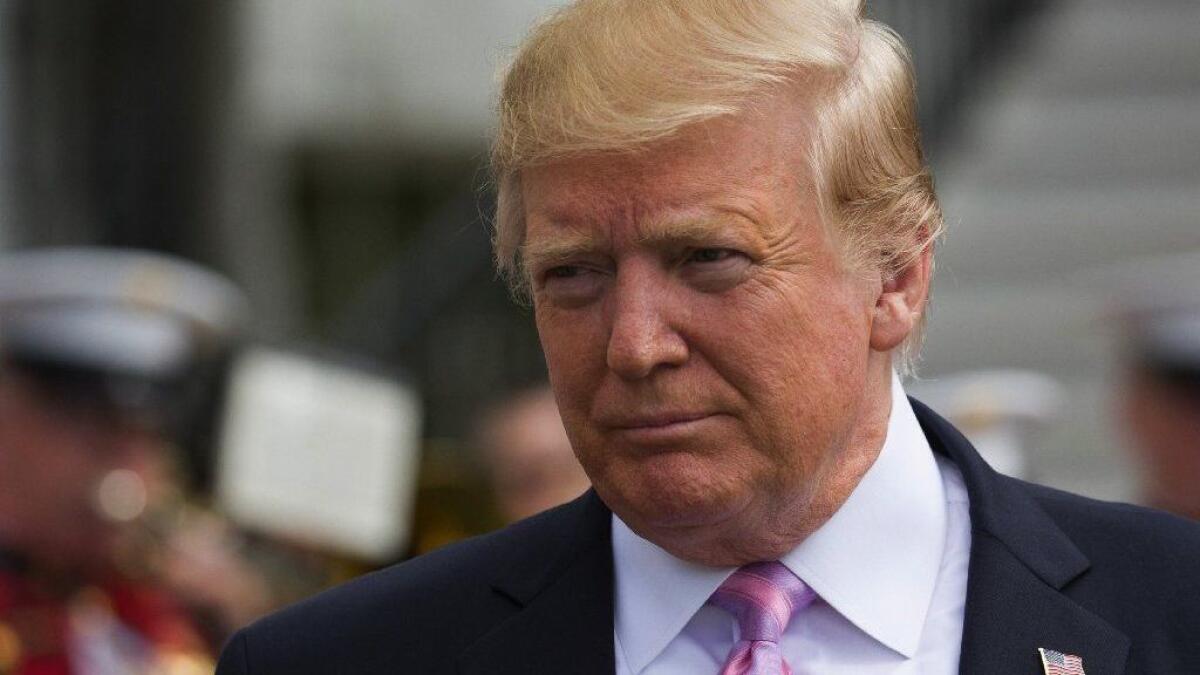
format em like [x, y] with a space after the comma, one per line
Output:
[844, 470]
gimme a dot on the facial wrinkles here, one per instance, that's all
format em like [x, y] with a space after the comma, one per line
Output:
[824, 275]
[774, 249]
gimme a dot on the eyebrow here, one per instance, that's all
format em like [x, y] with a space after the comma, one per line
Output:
[718, 227]
[567, 245]
[570, 243]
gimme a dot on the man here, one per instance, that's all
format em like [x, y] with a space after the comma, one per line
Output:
[101, 351]
[721, 214]
[528, 455]
[1159, 404]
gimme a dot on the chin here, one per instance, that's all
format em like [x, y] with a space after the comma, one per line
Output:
[673, 491]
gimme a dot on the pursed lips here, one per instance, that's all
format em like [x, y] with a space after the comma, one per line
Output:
[654, 420]
[655, 427]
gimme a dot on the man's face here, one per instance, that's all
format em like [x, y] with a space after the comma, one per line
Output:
[1163, 423]
[532, 465]
[55, 458]
[709, 351]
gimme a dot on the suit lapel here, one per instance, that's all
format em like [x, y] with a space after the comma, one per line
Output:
[1018, 585]
[1011, 612]
[565, 624]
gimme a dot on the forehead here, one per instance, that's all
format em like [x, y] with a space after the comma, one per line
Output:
[731, 178]
[744, 164]
[766, 142]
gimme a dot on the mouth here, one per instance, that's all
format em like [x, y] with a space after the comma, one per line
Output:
[659, 428]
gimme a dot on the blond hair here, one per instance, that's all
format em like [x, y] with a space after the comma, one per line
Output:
[603, 76]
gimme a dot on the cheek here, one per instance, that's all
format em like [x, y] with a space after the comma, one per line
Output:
[797, 358]
[569, 333]
[575, 357]
[789, 337]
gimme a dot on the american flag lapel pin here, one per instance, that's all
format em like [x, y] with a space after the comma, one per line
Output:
[1058, 663]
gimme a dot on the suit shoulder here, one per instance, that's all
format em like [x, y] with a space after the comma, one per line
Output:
[1145, 547]
[456, 569]
[1141, 576]
[1106, 520]
[438, 601]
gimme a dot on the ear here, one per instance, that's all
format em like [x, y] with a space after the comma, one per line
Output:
[901, 302]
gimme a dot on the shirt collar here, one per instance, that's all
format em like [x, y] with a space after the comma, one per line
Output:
[656, 594]
[875, 561]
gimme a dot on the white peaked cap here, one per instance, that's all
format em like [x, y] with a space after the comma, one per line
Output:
[116, 310]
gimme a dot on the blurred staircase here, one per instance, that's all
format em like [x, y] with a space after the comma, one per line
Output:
[1079, 151]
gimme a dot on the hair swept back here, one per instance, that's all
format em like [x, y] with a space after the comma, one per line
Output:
[601, 76]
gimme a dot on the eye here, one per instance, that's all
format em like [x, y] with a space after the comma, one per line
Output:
[563, 272]
[710, 255]
[715, 269]
[569, 285]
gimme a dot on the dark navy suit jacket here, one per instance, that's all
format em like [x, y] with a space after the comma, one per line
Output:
[1114, 584]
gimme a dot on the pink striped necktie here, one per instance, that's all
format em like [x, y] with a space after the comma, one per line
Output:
[763, 597]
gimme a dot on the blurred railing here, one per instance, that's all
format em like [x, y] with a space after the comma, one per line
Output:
[949, 40]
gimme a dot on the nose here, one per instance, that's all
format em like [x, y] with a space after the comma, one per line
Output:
[642, 336]
[133, 448]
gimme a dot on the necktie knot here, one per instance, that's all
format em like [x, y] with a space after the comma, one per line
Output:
[763, 597]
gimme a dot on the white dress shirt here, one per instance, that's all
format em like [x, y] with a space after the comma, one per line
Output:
[890, 570]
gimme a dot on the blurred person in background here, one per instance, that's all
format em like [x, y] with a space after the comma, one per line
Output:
[104, 356]
[528, 455]
[1159, 403]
